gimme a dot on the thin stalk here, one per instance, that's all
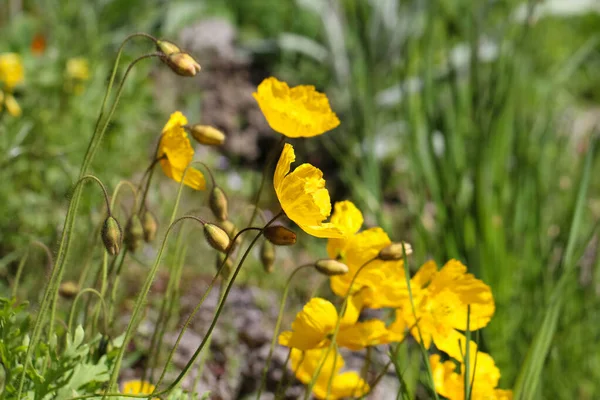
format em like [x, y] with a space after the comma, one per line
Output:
[278, 327]
[193, 313]
[74, 305]
[15, 288]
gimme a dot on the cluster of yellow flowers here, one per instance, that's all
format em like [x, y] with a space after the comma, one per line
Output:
[434, 309]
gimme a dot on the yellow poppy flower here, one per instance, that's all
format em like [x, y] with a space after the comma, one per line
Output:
[346, 384]
[315, 324]
[382, 283]
[11, 70]
[176, 153]
[440, 300]
[484, 375]
[138, 387]
[297, 112]
[303, 196]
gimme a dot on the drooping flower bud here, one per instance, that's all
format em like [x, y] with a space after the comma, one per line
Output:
[207, 135]
[134, 233]
[280, 235]
[267, 256]
[166, 47]
[112, 235]
[227, 268]
[217, 237]
[182, 64]
[394, 252]
[218, 204]
[68, 289]
[149, 225]
[331, 267]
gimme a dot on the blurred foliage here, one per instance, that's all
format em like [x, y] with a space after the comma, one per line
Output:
[459, 134]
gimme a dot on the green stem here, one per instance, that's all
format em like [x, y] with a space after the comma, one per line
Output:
[141, 300]
[193, 313]
[15, 288]
[277, 327]
[74, 305]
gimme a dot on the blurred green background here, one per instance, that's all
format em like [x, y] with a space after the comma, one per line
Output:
[465, 126]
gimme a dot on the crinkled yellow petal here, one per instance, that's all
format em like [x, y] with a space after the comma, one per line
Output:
[363, 334]
[312, 325]
[446, 381]
[346, 384]
[470, 291]
[176, 153]
[303, 196]
[449, 344]
[353, 308]
[305, 363]
[297, 112]
[12, 106]
[424, 274]
[348, 218]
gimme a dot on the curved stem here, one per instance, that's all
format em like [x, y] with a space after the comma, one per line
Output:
[118, 189]
[103, 305]
[277, 327]
[219, 309]
[65, 242]
[140, 301]
[193, 313]
[335, 333]
[15, 288]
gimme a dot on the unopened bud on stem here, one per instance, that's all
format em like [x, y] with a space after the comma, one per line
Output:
[182, 64]
[134, 233]
[267, 256]
[112, 235]
[166, 47]
[218, 203]
[68, 289]
[217, 237]
[280, 235]
[331, 267]
[394, 252]
[207, 135]
[149, 225]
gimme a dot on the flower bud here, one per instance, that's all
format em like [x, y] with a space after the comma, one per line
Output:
[218, 204]
[112, 235]
[207, 135]
[331, 267]
[394, 252]
[149, 225]
[217, 237]
[227, 268]
[182, 64]
[134, 233]
[267, 256]
[68, 289]
[166, 47]
[280, 235]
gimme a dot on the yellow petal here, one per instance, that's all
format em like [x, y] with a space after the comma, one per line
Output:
[303, 196]
[363, 334]
[176, 153]
[138, 387]
[305, 363]
[347, 217]
[11, 70]
[297, 112]
[347, 384]
[454, 344]
[353, 309]
[312, 325]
